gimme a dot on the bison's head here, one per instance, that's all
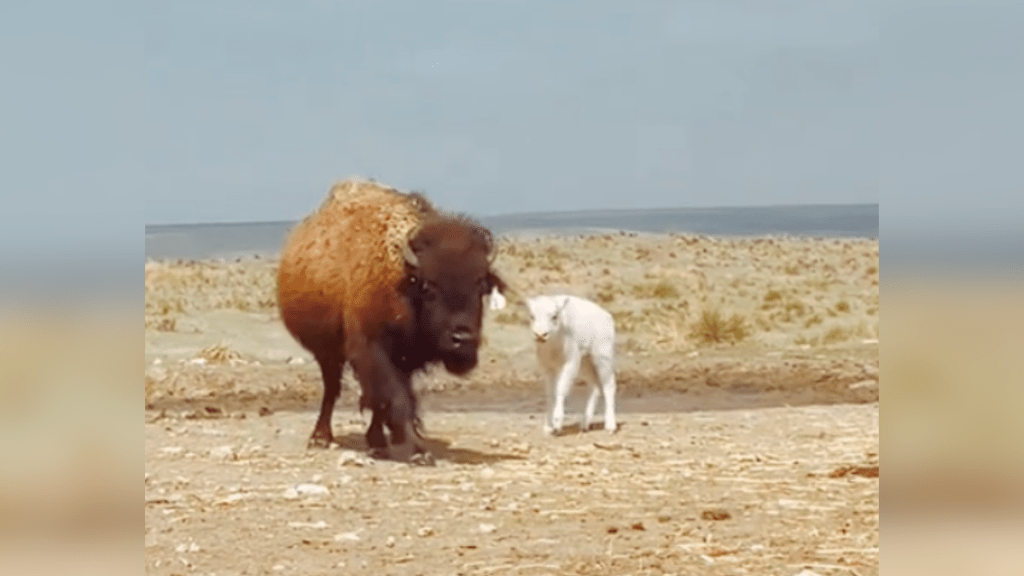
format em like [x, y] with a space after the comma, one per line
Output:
[448, 274]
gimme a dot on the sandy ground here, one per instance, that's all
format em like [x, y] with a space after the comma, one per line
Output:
[748, 397]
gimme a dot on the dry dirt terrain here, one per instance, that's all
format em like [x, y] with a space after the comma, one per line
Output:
[748, 400]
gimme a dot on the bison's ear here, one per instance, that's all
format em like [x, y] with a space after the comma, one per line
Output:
[485, 236]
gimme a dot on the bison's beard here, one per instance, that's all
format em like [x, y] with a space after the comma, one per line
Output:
[460, 363]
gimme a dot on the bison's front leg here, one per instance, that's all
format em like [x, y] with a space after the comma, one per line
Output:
[390, 395]
[375, 438]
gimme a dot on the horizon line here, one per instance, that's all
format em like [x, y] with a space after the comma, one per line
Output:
[591, 211]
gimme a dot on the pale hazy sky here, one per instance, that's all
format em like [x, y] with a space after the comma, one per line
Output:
[114, 111]
[498, 106]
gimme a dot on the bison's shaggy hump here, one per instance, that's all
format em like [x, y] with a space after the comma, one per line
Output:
[353, 241]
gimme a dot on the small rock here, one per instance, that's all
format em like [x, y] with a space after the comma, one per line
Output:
[264, 411]
[488, 528]
[296, 360]
[278, 568]
[864, 384]
[638, 526]
[425, 531]
[172, 450]
[197, 361]
[157, 374]
[707, 559]
[232, 498]
[190, 547]
[238, 415]
[347, 536]
[311, 490]
[317, 524]
[223, 453]
[521, 448]
[806, 572]
[390, 543]
[351, 458]
[693, 354]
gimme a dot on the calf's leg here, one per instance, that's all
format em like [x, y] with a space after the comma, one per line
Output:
[589, 374]
[605, 369]
[566, 377]
[549, 400]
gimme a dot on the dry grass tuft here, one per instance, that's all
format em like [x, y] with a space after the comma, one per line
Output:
[515, 315]
[786, 291]
[771, 298]
[165, 324]
[715, 328]
[219, 354]
[836, 334]
[663, 289]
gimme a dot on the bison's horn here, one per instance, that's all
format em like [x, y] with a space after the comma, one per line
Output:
[410, 256]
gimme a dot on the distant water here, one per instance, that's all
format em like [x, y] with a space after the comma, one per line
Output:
[198, 241]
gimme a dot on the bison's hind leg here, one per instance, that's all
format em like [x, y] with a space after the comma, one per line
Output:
[330, 370]
[376, 441]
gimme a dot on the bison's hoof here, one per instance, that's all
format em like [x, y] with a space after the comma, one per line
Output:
[378, 453]
[319, 442]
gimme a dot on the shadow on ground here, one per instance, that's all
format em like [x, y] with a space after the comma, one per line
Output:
[438, 448]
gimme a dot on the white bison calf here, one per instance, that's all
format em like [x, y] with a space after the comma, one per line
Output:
[574, 337]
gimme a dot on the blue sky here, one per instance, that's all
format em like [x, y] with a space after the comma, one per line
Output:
[255, 107]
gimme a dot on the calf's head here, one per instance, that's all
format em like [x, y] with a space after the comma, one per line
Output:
[544, 315]
[448, 274]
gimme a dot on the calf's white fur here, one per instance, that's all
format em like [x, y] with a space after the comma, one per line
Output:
[575, 337]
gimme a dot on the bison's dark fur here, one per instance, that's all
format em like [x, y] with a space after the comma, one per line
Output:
[346, 297]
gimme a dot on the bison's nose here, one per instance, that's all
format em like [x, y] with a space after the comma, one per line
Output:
[461, 336]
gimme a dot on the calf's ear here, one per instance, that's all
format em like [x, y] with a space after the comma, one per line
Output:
[497, 300]
[558, 310]
[496, 283]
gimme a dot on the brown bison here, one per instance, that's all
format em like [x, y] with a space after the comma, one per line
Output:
[384, 281]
